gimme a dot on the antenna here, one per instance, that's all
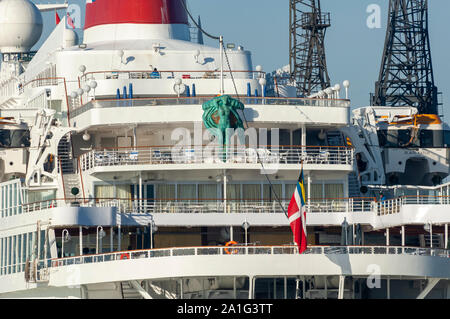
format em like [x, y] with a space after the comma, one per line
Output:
[406, 74]
[308, 64]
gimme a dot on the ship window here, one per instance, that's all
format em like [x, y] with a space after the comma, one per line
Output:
[233, 191]
[251, 192]
[387, 138]
[334, 191]
[165, 192]
[268, 194]
[207, 191]
[187, 191]
[426, 138]
[14, 138]
[404, 138]
[446, 138]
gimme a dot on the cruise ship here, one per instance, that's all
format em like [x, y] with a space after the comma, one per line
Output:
[140, 163]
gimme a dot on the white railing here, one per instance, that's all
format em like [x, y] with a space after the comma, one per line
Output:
[163, 101]
[151, 206]
[215, 155]
[393, 206]
[172, 206]
[154, 206]
[249, 251]
[168, 75]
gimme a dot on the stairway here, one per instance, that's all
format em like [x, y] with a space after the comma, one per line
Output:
[68, 169]
[128, 292]
[353, 186]
[65, 156]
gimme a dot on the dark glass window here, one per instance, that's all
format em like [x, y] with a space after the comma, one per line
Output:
[426, 138]
[14, 138]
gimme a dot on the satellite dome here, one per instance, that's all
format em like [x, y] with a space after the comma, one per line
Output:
[20, 25]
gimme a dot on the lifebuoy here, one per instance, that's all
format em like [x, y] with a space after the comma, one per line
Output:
[124, 256]
[233, 251]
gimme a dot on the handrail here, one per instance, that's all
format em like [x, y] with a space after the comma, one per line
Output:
[248, 250]
[171, 205]
[198, 100]
[158, 73]
[214, 154]
[276, 147]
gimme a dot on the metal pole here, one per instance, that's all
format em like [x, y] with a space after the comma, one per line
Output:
[62, 241]
[387, 236]
[140, 192]
[403, 235]
[151, 235]
[224, 193]
[285, 287]
[119, 240]
[81, 240]
[246, 236]
[111, 239]
[431, 235]
[446, 236]
[250, 287]
[388, 284]
[222, 91]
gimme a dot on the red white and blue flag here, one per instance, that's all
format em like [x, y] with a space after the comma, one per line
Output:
[297, 215]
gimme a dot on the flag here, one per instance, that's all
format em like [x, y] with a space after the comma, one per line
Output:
[297, 215]
[58, 19]
[70, 21]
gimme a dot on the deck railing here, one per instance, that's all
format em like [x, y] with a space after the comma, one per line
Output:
[170, 75]
[214, 155]
[393, 206]
[248, 251]
[205, 206]
[164, 206]
[229, 252]
[237, 206]
[167, 101]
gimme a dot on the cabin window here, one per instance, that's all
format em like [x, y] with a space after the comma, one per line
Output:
[426, 138]
[14, 138]
[251, 191]
[187, 191]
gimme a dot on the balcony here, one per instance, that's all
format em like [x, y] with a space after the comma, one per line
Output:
[213, 157]
[177, 101]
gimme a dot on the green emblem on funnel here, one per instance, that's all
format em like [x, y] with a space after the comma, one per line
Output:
[220, 115]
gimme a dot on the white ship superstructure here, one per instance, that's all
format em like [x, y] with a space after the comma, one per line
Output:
[112, 186]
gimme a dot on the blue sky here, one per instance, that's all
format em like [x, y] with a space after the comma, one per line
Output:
[353, 50]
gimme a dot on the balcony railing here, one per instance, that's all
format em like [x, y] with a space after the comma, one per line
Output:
[171, 206]
[248, 251]
[393, 206]
[151, 206]
[167, 101]
[169, 75]
[227, 252]
[215, 155]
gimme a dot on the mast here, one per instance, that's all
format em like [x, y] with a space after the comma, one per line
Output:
[406, 74]
[308, 65]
